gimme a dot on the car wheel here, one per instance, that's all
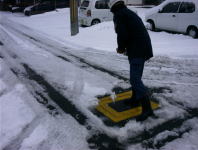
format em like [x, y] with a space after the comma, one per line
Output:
[151, 25]
[27, 13]
[95, 21]
[193, 32]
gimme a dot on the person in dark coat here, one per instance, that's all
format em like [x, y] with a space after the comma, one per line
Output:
[133, 39]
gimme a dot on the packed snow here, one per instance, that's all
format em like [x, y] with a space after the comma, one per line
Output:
[40, 41]
[102, 36]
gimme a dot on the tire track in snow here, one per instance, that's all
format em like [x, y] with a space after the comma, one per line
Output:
[69, 108]
[25, 133]
[99, 140]
[96, 139]
[1, 44]
[83, 63]
[13, 62]
[54, 95]
[69, 57]
[28, 76]
[146, 136]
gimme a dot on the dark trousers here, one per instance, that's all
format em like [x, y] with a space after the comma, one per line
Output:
[136, 71]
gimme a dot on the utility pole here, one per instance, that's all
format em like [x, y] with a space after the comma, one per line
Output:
[74, 17]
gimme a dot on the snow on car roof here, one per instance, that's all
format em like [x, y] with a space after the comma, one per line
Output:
[29, 7]
[155, 9]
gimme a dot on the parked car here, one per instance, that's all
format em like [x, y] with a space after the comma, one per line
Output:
[39, 8]
[6, 5]
[175, 15]
[45, 6]
[20, 5]
[92, 12]
[17, 9]
[61, 3]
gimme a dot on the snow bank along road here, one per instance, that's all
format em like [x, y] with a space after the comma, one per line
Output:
[68, 80]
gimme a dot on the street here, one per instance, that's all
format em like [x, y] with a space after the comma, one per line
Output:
[52, 90]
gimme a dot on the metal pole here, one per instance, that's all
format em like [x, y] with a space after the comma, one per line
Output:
[74, 17]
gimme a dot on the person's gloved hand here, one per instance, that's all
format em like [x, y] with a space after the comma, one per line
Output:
[120, 51]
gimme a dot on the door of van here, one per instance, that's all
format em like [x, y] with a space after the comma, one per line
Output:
[102, 11]
[83, 8]
[167, 18]
[187, 16]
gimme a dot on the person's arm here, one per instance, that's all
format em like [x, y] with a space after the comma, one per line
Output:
[121, 30]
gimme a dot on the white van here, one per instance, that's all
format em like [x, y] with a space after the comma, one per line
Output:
[175, 15]
[92, 12]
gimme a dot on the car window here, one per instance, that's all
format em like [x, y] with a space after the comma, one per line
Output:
[85, 4]
[102, 4]
[171, 8]
[46, 3]
[187, 7]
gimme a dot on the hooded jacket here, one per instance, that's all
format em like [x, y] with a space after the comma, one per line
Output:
[131, 33]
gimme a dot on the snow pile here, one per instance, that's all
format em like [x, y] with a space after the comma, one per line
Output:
[102, 36]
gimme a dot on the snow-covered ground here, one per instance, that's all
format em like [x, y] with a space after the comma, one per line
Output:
[102, 36]
[41, 65]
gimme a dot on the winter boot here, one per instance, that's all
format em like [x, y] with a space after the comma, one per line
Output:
[133, 102]
[146, 109]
